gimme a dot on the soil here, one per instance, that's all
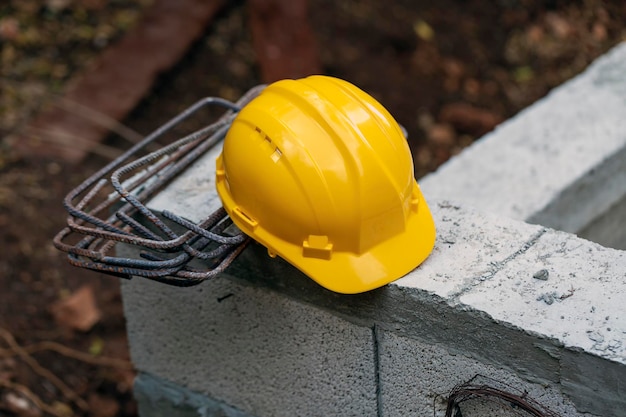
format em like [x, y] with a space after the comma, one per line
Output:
[449, 71]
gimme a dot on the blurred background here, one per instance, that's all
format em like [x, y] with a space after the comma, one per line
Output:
[81, 80]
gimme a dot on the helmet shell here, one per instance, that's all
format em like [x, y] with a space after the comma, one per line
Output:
[320, 173]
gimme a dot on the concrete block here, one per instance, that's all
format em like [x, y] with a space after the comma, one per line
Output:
[416, 379]
[560, 163]
[504, 293]
[252, 349]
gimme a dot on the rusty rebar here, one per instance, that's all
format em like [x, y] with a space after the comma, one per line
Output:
[109, 209]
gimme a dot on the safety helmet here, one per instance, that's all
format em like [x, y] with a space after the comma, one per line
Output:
[321, 174]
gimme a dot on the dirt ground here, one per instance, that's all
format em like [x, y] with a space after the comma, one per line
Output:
[449, 71]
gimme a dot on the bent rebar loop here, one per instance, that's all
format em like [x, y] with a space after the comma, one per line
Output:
[122, 217]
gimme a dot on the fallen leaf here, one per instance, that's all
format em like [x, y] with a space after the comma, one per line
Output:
[423, 30]
[62, 409]
[96, 347]
[78, 311]
[523, 74]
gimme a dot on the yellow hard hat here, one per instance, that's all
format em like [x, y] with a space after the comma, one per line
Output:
[320, 173]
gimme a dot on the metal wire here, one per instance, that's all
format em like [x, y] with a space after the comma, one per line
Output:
[485, 389]
[108, 210]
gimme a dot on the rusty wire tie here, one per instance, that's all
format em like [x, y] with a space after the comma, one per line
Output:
[487, 389]
[120, 215]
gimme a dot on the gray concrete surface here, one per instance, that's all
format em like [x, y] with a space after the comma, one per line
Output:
[278, 344]
[560, 163]
[253, 349]
[415, 379]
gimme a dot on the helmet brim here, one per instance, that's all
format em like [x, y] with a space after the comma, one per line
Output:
[350, 273]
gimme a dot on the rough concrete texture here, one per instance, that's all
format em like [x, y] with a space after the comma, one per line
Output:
[543, 281]
[495, 289]
[250, 348]
[482, 294]
[560, 163]
[579, 301]
[417, 378]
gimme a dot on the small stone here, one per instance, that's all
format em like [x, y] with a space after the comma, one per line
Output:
[542, 275]
[547, 298]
